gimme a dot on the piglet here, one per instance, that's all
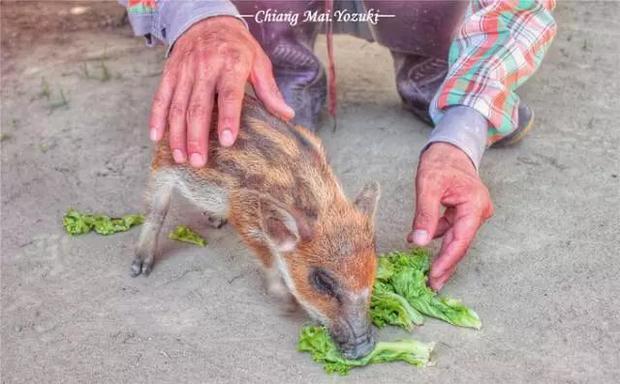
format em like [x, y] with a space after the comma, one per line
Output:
[275, 187]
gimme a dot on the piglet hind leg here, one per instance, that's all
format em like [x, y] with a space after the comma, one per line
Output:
[158, 201]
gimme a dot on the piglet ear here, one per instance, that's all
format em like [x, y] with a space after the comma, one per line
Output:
[367, 198]
[280, 227]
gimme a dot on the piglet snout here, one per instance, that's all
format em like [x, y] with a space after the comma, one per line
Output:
[356, 351]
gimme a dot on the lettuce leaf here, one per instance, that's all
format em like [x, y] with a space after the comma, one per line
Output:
[77, 223]
[185, 234]
[405, 274]
[389, 308]
[319, 344]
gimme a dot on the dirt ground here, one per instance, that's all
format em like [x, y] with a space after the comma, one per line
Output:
[542, 274]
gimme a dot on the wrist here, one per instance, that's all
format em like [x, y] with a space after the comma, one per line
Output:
[440, 155]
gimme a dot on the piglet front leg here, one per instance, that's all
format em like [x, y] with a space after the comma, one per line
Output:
[158, 203]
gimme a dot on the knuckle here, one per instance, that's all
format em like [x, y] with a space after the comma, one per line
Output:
[275, 90]
[169, 76]
[177, 110]
[177, 139]
[206, 57]
[231, 95]
[490, 211]
[479, 195]
[194, 144]
[196, 111]
[223, 47]
[235, 62]
[159, 102]
[428, 176]
[187, 54]
[264, 61]
[424, 215]
[169, 67]
[207, 73]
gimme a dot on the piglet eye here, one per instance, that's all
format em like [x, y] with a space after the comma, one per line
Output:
[323, 282]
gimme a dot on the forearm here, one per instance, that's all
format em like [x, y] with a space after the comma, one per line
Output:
[499, 46]
[165, 20]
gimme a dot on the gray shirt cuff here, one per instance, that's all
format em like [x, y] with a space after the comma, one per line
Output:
[171, 18]
[176, 16]
[465, 128]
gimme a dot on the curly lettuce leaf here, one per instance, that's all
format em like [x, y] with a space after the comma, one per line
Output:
[185, 234]
[77, 223]
[389, 308]
[319, 344]
[405, 274]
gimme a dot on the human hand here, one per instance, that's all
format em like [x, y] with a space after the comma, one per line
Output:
[446, 177]
[217, 55]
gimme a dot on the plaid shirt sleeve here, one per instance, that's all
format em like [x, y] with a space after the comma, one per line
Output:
[165, 20]
[498, 47]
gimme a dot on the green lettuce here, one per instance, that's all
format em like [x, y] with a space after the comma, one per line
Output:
[185, 234]
[389, 308]
[77, 223]
[319, 344]
[401, 278]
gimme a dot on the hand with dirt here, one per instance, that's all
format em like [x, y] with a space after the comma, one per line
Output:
[446, 177]
[216, 56]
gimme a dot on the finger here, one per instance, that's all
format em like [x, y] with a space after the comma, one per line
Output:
[178, 110]
[426, 213]
[442, 226]
[456, 242]
[445, 222]
[267, 90]
[199, 121]
[438, 283]
[435, 279]
[161, 102]
[229, 100]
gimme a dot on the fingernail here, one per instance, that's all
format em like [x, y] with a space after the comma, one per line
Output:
[153, 134]
[420, 237]
[226, 138]
[291, 111]
[178, 156]
[196, 160]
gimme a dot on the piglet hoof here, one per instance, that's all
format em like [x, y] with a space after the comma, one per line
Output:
[216, 222]
[140, 267]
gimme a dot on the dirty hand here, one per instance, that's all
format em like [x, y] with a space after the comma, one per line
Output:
[215, 56]
[446, 176]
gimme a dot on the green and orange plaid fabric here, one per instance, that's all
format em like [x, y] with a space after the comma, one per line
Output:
[498, 47]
